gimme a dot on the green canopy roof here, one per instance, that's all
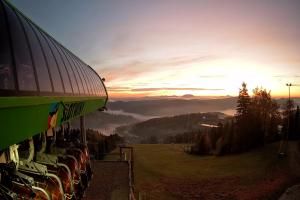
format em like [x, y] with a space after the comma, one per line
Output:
[42, 83]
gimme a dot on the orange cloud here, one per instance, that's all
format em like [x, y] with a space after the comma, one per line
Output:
[133, 69]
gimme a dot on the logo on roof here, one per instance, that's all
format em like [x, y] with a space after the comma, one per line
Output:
[52, 118]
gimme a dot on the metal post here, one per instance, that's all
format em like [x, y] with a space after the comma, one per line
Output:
[82, 130]
[284, 142]
[132, 164]
[121, 153]
[288, 119]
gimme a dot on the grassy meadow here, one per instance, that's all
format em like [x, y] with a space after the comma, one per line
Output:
[164, 171]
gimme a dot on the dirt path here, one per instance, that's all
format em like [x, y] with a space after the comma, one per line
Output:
[110, 181]
[294, 157]
[293, 193]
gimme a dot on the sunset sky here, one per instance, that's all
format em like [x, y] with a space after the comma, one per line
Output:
[176, 47]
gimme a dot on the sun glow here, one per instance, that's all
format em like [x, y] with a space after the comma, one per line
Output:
[218, 77]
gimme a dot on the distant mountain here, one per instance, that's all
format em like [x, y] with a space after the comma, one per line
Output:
[171, 107]
[185, 96]
[188, 96]
[169, 126]
[282, 101]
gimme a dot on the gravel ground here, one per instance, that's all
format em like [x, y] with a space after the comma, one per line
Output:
[110, 181]
[292, 193]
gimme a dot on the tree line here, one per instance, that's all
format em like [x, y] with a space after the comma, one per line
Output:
[99, 145]
[259, 119]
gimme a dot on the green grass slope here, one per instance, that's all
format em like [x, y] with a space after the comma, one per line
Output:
[166, 172]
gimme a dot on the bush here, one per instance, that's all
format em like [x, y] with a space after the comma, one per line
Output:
[100, 144]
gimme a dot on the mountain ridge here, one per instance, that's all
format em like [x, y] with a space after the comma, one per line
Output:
[171, 107]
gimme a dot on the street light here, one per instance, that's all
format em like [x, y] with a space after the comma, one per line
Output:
[289, 85]
[289, 115]
[289, 109]
[284, 144]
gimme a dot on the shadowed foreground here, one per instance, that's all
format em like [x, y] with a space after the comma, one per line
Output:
[110, 181]
[166, 172]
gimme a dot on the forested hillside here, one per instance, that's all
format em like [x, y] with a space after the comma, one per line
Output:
[160, 128]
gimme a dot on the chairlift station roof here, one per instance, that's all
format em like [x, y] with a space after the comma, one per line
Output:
[42, 83]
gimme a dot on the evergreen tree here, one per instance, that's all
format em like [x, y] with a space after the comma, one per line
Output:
[265, 113]
[288, 118]
[275, 121]
[257, 119]
[297, 123]
[243, 103]
[242, 137]
[225, 142]
[294, 124]
[256, 122]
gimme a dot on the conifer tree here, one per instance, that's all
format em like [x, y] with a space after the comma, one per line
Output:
[242, 138]
[243, 103]
[287, 115]
[297, 123]
[265, 114]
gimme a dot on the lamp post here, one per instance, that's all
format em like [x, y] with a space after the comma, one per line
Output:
[289, 85]
[285, 138]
